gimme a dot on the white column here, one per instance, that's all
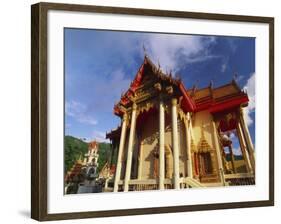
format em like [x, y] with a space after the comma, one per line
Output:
[175, 143]
[218, 152]
[120, 153]
[161, 145]
[188, 145]
[244, 149]
[140, 160]
[130, 148]
[248, 138]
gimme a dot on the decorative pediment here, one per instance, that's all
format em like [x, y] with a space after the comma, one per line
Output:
[203, 145]
[148, 83]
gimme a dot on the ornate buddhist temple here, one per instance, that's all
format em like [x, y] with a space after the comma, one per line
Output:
[171, 137]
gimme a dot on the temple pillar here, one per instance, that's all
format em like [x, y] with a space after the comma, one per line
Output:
[161, 145]
[140, 160]
[248, 139]
[218, 152]
[130, 148]
[244, 149]
[120, 153]
[175, 143]
[232, 159]
[188, 147]
[112, 152]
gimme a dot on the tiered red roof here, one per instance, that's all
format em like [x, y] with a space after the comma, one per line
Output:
[193, 100]
[218, 99]
[148, 67]
[93, 144]
[75, 171]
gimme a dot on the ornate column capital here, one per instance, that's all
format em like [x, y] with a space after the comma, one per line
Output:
[125, 117]
[188, 117]
[134, 106]
[174, 102]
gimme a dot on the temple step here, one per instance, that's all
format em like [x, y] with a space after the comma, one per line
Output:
[193, 183]
[209, 179]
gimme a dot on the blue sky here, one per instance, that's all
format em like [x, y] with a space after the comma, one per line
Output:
[99, 66]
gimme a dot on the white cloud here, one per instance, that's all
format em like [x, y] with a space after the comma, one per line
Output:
[100, 136]
[78, 111]
[232, 136]
[223, 67]
[231, 44]
[172, 53]
[108, 91]
[236, 151]
[250, 89]
[239, 78]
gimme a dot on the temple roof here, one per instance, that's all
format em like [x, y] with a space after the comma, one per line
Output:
[74, 171]
[215, 100]
[217, 93]
[107, 170]
[93, 144]
[114, 134]
[148, 68]
[229, 95]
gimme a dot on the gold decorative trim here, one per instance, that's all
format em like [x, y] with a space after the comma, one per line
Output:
[174, 102]
[182, 115]
[192, 146]
[203, 145]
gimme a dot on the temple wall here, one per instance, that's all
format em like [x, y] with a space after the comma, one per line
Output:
[182, 149]
[149, 137]
[203, 119]
[136, 145]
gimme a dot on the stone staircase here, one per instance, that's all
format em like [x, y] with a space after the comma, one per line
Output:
[193, 183]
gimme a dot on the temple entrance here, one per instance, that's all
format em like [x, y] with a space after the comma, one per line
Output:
[168, 163]
[205, 164]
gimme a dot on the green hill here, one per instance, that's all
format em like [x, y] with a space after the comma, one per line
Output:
[236, 157]
[74, 147]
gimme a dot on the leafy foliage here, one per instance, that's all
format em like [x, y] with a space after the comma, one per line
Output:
[236, 157]
[73, 149]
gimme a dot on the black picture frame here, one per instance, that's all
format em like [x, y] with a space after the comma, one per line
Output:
[39, 110]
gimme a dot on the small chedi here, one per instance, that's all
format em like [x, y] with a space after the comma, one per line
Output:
[83, 177]
[173, 138]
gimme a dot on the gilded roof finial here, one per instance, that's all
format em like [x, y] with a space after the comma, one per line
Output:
[235, 76]
[202, 131]
[194, 88]
[211, 85]
[170, 73]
